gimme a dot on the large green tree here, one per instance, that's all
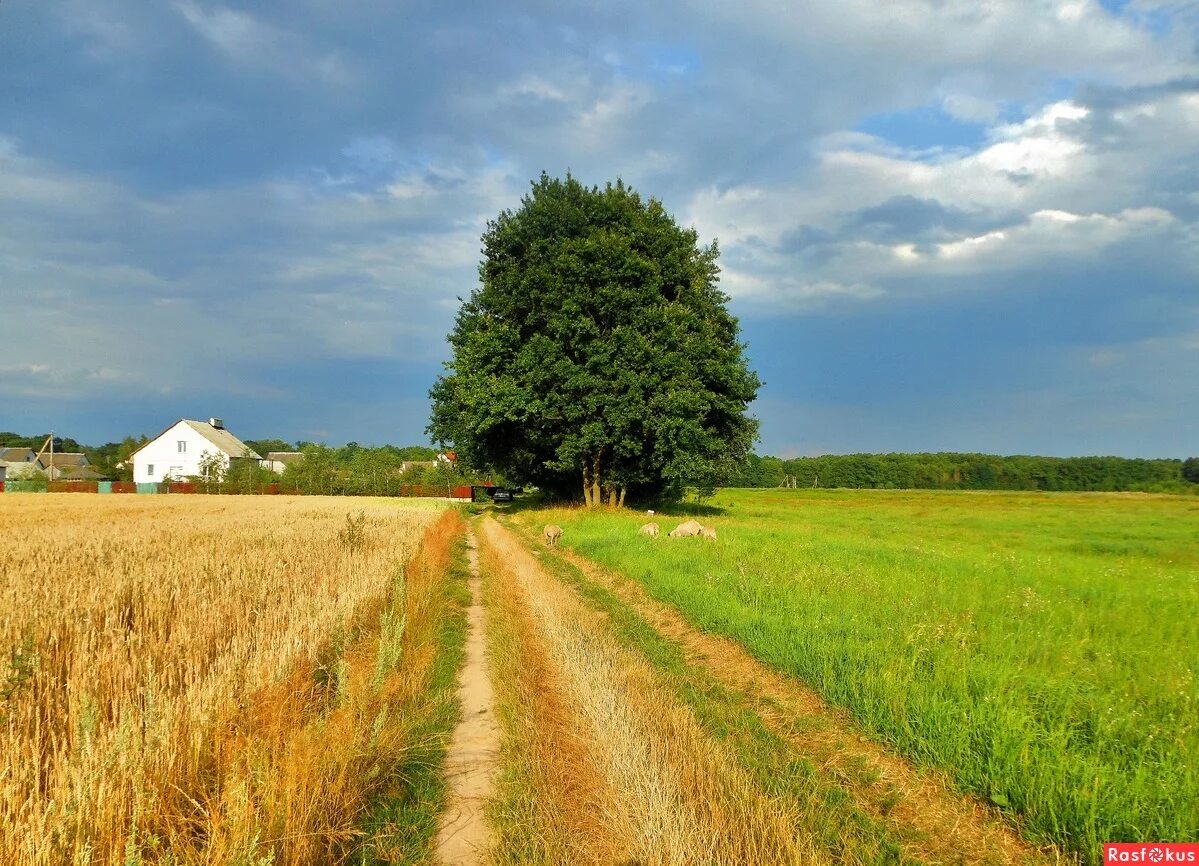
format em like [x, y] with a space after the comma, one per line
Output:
[598, 354]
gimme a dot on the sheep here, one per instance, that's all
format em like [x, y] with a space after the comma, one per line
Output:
[650, 529]
[552, 533]
[709, 532]
[686, 530]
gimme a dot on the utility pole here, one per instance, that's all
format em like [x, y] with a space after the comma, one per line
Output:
[49, 442]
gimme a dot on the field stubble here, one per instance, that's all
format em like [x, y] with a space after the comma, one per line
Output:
[206, 680]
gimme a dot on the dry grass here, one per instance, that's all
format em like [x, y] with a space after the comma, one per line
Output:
[674, 795]
[204, 680]
[552, 797]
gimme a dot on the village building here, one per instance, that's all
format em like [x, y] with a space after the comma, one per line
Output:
[186, 449]
[68, 466]
[418, 464]
[277, 461]
[21, 462]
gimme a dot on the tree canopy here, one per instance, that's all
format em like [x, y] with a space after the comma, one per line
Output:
[597, 354]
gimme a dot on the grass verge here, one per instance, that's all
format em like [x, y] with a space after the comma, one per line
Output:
[400, 828]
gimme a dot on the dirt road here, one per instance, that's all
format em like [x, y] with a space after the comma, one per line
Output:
[463, 838]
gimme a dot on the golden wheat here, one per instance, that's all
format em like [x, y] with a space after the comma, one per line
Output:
[163, 653]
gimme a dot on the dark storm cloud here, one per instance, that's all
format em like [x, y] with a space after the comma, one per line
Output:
[276, 205]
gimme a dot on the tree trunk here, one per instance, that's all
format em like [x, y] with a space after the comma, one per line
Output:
[622, 493]
[587, 481]
[596, 489]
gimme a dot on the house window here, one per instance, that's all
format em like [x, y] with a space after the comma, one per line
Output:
[182, 446]
[149, 468]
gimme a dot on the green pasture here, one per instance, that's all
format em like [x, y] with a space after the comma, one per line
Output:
[1041, 648]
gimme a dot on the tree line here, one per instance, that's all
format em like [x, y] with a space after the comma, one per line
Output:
[355, 470]
[350, 470]
[956, 471]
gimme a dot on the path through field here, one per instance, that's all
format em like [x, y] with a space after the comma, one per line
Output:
[463, 837]
[621, 735]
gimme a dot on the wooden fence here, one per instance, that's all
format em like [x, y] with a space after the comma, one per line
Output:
[273, 489]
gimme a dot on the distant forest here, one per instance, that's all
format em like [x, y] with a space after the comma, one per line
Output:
[952, 471]
[939, 471]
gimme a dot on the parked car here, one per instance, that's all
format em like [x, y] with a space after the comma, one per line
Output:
[501, 494]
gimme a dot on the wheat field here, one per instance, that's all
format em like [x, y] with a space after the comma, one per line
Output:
[199, 679]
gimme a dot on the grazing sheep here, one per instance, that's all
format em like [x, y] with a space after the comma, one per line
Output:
[709, 532]
[650, 529]
[552, 533]
[687, 530]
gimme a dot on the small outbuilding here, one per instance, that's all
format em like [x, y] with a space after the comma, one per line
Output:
[277, 461]
[68, 466]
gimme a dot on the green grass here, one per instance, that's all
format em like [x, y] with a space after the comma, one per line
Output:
[402, 828]
[1042, 648]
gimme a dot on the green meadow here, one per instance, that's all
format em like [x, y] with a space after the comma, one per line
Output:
[1041, 649]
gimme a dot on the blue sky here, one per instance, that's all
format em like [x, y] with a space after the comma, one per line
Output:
[945, 225]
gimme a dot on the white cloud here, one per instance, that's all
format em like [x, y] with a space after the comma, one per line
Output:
[535, 87]
[968, 107]
[247, 40]
[1062, 186]
[1051, 234]
[794, 294]
[614, 109]
[177, 293]
[236, 33]
[1003, 41]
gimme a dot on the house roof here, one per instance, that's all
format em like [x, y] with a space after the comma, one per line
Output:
[221, 438]
[284, 457]
[16, 455]
[79, 473]
[64, 459]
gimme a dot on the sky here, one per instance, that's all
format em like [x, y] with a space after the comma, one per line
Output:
[963, 225]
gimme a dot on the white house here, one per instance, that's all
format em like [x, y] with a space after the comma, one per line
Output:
[176, 452]
[277, 461]
[22, 462]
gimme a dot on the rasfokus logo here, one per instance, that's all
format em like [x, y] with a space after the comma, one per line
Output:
[1150, 852]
